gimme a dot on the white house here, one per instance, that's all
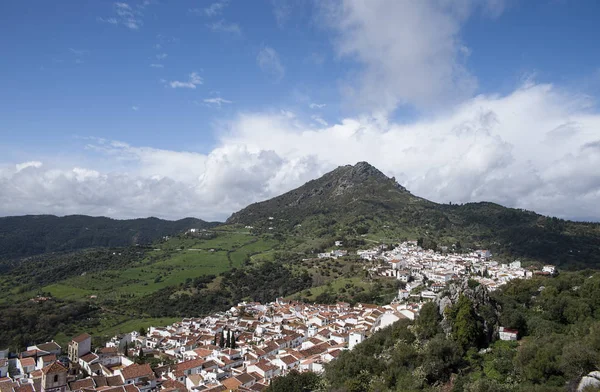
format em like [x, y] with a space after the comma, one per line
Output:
[3, 367]
[508, 334]
[26, 365]
[549, 269]
[355, 337]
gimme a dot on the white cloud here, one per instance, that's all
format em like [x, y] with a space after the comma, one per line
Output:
[319, 120]
[193, 81]
[222, 26]
[213, 9]
[411, 52]
[79, 52]
[217, 101]
[317, 105]
[537, 148]
[127, 15]
[268, 61]
[161, 56]
[155, 65]
[25, 165]
[282, 10]
[135, 108]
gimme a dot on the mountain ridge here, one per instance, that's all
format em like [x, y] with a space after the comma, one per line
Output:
[359, 199]
[29, 235]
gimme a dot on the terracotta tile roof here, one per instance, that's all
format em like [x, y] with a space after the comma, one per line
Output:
[36, 374]
[174, 385]
[50, 346]
[80, 384]
[259, 387]
[89, 357]
[109, 350]
[191, 364]
[231, 383]
[288, 359]
[264, 366]
[256, 376]
[28, 353]
[245, 378]
[135, 371]
[81, 338]
[203, 352]
[131, 388]
[55, 367]
[114, 381]
[209, 364]
[25, 388]
[218, 388]
[318, 349]
[100, 381]
[49, 358]
[8, 386]
[29, 361]
[195, 378]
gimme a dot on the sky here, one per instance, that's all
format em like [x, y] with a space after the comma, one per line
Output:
[201, 107]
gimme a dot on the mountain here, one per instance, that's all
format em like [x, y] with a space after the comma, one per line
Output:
[35, 234]
[359, 199]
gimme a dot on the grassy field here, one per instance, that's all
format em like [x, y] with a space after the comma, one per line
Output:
[335, 286]
[176, 261]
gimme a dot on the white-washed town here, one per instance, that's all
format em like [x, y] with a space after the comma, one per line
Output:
[245, 347]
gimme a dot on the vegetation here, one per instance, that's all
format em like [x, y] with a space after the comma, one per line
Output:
[361, 201]
[559, 319]
[22, 236]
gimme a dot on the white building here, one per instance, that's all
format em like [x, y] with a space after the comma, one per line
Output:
[355, 337]
[508, 334]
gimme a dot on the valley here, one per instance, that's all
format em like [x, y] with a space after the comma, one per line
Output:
[322, 243]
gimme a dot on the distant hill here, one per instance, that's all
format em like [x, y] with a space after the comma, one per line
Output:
[359, 199]
[35, 234]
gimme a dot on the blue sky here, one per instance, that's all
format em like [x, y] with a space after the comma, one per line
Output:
[141, 91]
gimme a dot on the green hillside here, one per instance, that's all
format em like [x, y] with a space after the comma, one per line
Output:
[28, 235]
[360, 200]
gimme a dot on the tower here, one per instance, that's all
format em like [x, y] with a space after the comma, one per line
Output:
[54, 378]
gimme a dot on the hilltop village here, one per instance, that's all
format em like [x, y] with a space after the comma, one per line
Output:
[248, 345]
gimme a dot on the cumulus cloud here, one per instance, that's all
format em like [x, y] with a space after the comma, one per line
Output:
[126, 15]
[218, 101]
[282, 10]
[193, 81]
[269, 63]
[319, 120]
[537, 148]
[410, 51]
[222, 26]
[213, 9]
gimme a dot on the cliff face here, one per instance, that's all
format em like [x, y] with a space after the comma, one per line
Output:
[485, 309]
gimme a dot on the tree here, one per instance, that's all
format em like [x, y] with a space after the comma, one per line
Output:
[427, 324]
[441, 358]
[466, 329]
[141, 357]
[233, 344]
[228, 341]
[221, 339]
[295, 382]
[142, 331]
[125, 349]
